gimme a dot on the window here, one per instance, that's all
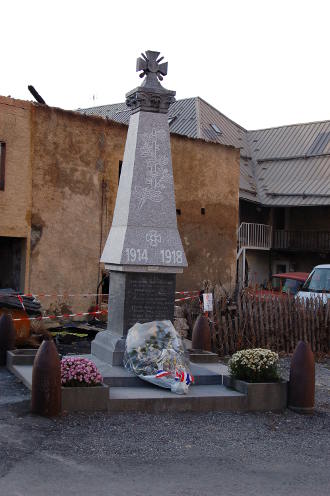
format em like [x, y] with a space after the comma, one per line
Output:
[216, 129]
[203, 211]
[2, 165]
[318, 281]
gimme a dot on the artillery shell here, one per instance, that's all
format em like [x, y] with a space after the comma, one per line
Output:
[46, 380]
[301, 395]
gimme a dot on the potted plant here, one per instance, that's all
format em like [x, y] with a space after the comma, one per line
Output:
[254, 372]
[82, 385]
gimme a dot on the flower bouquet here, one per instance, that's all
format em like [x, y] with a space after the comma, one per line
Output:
[155, 353]
[76, 371]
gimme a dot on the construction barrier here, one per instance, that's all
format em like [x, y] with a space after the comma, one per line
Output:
[64, 316]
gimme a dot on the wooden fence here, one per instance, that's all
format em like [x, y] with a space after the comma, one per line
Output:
[270, 322]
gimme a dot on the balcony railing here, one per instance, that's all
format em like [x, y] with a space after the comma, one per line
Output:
[301, 240]
[257, 236]
[261, 236]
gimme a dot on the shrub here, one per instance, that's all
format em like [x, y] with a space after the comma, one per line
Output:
[254, 365]
[77, 371]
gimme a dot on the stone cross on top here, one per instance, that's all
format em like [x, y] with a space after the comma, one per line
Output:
[151, 96]
[150, 66]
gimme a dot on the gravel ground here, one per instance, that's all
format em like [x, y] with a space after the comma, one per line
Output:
[169, 454]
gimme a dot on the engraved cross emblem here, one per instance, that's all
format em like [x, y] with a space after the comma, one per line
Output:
[149, 64]
[153, 238]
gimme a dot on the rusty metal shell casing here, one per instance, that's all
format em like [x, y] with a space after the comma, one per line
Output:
[201, 335]
[46, 380]
[7, 336]
[301, 395]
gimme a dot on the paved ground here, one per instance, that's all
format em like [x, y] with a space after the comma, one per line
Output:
[182, 454]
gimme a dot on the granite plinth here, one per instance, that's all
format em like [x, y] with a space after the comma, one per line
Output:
[109, 347]
[134, 297]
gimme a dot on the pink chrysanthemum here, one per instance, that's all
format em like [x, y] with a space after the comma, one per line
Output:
[76, 371]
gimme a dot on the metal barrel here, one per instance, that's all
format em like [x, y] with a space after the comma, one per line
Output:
[7, 336]
[301, 395]
[201, 335]
[46, 380]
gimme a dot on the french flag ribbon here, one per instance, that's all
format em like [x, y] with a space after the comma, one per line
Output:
[183, 376]
[162, 373]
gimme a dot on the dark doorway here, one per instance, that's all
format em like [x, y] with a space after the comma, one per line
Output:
[12, 263]
[279, 218]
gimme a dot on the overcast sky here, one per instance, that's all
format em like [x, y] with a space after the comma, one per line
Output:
[263, 63]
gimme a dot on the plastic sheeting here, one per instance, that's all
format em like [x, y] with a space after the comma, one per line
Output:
[155, 353]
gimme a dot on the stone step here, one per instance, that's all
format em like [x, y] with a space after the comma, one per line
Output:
[157, 400]
[117, 376]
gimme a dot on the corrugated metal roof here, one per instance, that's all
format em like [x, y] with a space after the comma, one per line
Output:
[292, 164]
[289, 141]
[286, 182]
[283, 166]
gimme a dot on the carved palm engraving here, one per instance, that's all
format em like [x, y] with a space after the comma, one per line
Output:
[157, 175]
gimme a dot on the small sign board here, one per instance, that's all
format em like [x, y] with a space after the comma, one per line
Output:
[208, 302]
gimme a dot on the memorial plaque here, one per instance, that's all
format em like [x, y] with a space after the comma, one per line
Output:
[148, 297]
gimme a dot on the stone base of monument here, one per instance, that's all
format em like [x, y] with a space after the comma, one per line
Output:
[212, 391]
[134, 297]
[109, 347]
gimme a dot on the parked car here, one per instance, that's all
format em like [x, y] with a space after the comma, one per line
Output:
[317, 284]
[287, 283]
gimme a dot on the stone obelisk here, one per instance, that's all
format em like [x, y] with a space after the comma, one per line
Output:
[143, 251]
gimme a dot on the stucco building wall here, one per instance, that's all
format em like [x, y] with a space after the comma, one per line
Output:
[206, 176]
[75, 177]
[15, 199]
[61, 184]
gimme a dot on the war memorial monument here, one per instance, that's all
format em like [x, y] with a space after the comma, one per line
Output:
[143, 251]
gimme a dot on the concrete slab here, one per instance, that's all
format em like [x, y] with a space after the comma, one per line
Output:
[23, 373]
[157, 400]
